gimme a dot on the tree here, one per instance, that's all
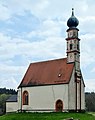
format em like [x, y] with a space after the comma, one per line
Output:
[3, 98]
[90, 101]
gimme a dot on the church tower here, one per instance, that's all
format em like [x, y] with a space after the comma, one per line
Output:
[73, 42]
[73, 56]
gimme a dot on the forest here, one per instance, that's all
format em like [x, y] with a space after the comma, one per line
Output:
[6, 93]
[90, 101]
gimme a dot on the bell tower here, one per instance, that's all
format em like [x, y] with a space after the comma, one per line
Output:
[73, 56]
[73, 42]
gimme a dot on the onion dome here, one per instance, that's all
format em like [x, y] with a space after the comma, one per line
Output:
[72, 21]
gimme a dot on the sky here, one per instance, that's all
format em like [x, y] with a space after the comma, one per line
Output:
[35, 30]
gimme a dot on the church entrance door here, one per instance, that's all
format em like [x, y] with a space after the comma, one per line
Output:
[59, 106]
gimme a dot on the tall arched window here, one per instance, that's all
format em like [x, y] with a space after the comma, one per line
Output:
[25, 98]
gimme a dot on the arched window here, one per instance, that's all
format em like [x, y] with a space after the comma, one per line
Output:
[59, 106]
[25, 98]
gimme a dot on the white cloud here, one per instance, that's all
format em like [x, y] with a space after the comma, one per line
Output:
[11, 76]
[48, 28]
[11, 69]
[45, 8]
[9, 83]
[93, 70]
[17, 7]
[90, 85]
[87, 45]
[4, 12]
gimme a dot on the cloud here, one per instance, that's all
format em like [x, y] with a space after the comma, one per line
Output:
[48, 32]
[87, 44]
[10, 75]
[9, 83]
[4, 12]
[86, 25]
[47, 29]
[45, 8]
[93, 70]
[90, 85]
[11, 8]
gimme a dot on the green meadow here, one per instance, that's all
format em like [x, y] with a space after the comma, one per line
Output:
[48, 116]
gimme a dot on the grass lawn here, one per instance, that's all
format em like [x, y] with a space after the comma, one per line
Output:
[47, 116]
[93, 113]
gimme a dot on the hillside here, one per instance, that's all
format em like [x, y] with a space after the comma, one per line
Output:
[47, 116]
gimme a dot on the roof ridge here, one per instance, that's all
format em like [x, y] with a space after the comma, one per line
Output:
[48, 60]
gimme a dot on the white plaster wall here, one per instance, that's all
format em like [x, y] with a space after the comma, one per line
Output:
[82, 96]
[78, 95]
[45, 97]
[19, 98]
[11, 106]
[72, 92]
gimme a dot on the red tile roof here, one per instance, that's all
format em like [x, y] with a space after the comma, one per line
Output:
[48, 72]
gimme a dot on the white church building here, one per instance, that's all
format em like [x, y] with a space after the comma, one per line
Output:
[55, 85]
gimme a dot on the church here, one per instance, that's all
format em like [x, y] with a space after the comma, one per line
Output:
[54, 85]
